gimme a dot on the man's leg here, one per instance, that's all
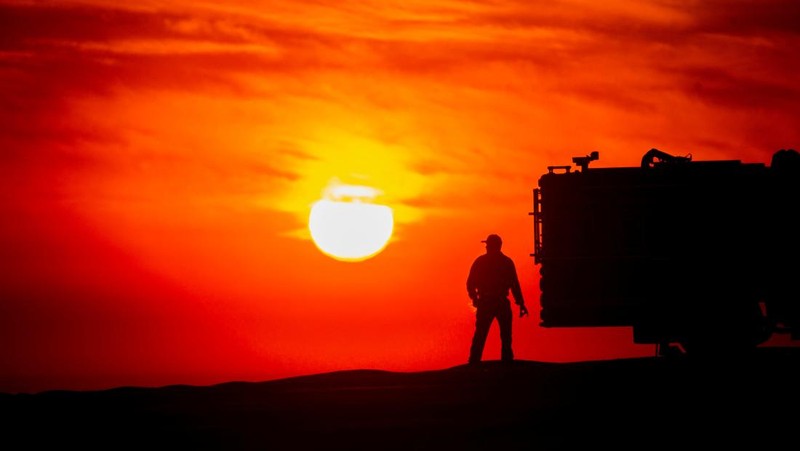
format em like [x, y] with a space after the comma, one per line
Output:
[504, 316]
[483, 321]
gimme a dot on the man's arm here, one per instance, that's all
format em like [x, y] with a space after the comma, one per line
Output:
[472, 289]
[516, 291]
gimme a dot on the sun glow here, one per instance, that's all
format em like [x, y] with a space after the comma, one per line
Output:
[348, 226]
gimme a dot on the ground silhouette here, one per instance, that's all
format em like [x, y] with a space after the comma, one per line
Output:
[638, 403]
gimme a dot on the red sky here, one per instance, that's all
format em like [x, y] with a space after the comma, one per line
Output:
[159, 163]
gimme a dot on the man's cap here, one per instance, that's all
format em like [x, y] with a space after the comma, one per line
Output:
[492, 239]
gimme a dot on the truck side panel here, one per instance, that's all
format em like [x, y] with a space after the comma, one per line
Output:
[668, 249]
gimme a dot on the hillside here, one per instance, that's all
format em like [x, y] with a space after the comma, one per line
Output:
[641, 403]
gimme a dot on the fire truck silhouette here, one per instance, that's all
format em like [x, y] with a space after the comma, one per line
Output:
[695, 256]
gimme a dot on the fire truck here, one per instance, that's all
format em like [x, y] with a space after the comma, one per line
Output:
[695, 256]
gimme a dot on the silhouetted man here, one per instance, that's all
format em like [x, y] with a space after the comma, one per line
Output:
[491, 277]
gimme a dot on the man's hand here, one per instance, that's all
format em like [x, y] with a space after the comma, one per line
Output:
[523, 311]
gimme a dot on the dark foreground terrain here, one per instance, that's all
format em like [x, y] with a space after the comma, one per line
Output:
[642, 403]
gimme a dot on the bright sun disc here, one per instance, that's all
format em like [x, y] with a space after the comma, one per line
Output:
[350, 230]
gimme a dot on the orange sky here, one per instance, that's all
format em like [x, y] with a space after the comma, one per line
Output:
[159, 163]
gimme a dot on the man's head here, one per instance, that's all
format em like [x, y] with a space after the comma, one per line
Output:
[493, 242]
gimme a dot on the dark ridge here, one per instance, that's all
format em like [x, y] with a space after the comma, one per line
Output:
[639, 403]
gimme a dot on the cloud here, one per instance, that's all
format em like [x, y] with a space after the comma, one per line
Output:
[747, 17]
[179, 94]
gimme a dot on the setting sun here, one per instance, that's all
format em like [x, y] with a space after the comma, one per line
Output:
[348, 226]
